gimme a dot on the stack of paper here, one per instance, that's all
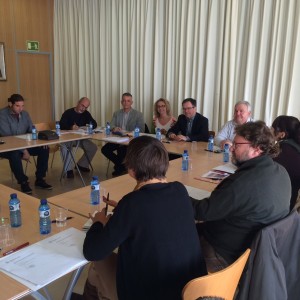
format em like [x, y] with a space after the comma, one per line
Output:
[41, 263]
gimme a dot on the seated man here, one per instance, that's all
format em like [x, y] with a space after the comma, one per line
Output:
[125, 119]
[190, 126]
[14, 121]
[242, 114]
[256, 195]
[72, 119]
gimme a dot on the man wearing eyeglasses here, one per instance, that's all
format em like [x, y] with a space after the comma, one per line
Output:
[190, 126]
[72, 119]
[256, 195]
[242, 114]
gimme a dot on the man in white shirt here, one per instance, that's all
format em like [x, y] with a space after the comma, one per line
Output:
[242, 115]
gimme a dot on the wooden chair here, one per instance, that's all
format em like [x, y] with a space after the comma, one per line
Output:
[220, 284]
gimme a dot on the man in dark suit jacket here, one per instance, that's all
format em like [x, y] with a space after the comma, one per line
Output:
[190, 126]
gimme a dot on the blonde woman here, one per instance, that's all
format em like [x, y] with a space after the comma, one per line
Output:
[163, 118]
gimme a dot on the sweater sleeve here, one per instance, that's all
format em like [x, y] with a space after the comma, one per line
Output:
[222, 202]
[101, 240]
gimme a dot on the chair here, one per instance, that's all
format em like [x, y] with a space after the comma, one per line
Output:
[220, 284]
[273, 270]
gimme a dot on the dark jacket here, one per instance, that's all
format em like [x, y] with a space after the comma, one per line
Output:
[71, 117]
[273, 271]
[159, 249]
[243, 203]
[199, 130]
[289, 157]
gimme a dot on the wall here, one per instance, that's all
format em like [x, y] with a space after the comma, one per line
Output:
[28, 73]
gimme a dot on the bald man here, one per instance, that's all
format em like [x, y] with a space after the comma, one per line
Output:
[72, 119]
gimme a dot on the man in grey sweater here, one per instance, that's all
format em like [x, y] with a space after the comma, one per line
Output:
[15, 121]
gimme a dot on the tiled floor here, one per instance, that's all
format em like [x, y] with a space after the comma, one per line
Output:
[99, 163]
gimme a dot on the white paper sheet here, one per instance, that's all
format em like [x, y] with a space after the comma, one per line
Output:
[116, 139]
[227, 168]
[197, 193]
[41, 263]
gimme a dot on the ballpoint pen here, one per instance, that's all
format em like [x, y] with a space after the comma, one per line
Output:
[106, 206]
[68, 218]
[16, 249]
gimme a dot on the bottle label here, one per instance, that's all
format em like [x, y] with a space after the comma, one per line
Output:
[95, 187]
[14, 207]
[45, 213]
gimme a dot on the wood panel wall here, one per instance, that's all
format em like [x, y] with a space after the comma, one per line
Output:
[28, 73]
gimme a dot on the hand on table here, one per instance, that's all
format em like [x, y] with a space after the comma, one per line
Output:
[100, 216]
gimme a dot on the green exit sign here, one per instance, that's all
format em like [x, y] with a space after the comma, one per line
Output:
[33, 45]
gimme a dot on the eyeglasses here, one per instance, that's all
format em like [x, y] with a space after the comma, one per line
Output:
[159, 106]
[234, 144]
[188, 108]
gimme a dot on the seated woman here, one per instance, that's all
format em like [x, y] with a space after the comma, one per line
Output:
[154, 228]
[162, 115]
[287, 132]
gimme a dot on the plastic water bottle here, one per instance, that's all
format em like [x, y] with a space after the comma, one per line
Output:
[210, 145]
[57, 128]
[95, 191]
[136, 132]
[158, 134]
[226, 153]
[90, 128]
[14, 211]
[45, 221]
[107, 128]
[185, 161]
[33, 132]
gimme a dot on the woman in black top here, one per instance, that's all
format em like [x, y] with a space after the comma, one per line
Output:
[287, 132]
[153, 226]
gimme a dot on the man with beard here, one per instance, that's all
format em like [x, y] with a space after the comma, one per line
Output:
[256, 195]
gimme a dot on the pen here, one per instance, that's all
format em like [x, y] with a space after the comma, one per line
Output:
[16, 249]
[68, 218]
[106, 206]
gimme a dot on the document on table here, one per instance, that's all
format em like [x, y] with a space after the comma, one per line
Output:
[43, 262]
[116, 139]
[197, 193]
[227, 168]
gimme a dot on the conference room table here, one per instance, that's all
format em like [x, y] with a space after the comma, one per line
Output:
[29, 232]
[66, 139]
[201, 161]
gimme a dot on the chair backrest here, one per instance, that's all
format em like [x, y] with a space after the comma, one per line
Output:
[211, 132]
[42, 126]
[147, 128]
[220, 284]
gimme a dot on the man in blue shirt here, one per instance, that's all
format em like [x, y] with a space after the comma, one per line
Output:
[15, 121]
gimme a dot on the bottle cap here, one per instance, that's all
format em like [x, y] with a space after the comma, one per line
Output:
[14, 195]
[43, 201]
[95, 177]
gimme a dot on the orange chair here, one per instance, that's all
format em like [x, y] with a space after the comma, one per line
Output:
[219, 284]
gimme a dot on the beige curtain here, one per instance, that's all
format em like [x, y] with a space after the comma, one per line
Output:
[215, 51]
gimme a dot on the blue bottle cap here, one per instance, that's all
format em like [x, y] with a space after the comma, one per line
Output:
[14, 195]
[43, 201]
[95, 177]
